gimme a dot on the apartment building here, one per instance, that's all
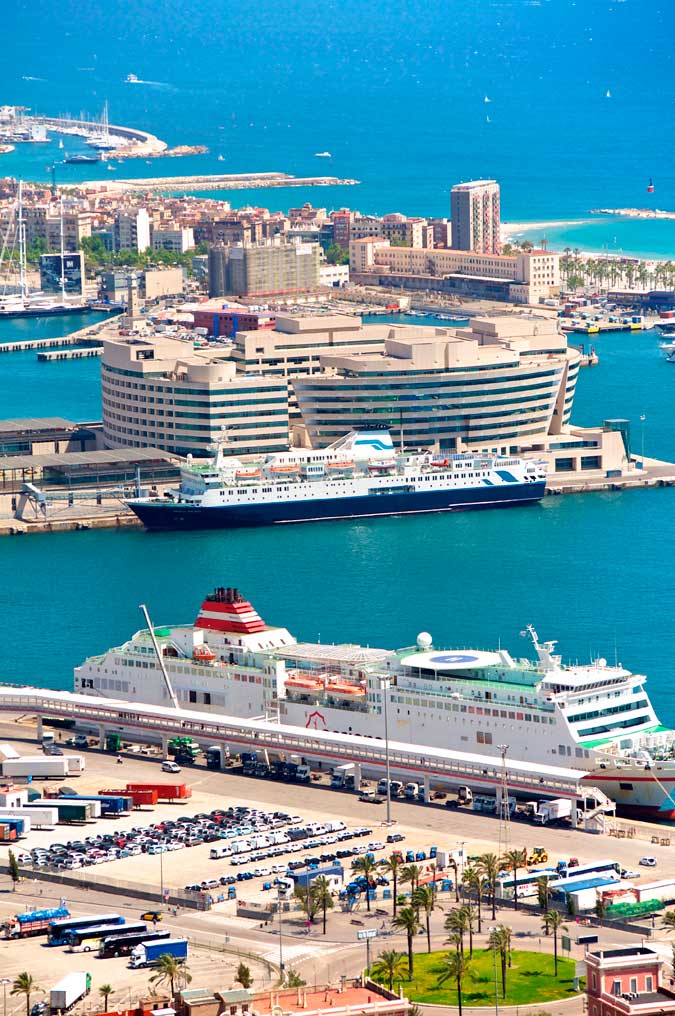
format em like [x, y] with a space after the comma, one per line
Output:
[162, 393]
[178, 241]
[131, 229]
[476, 216]
[264, 269]
[528, 277]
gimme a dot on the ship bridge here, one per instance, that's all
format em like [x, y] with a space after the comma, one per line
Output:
[368, 755]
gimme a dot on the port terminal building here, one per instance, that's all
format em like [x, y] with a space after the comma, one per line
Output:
[504, 384]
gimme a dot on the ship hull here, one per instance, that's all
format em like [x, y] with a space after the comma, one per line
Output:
[639, 792]
[167, 515]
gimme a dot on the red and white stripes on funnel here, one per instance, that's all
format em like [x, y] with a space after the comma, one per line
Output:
[236, 617]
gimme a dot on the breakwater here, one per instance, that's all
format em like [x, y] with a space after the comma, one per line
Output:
[219, 181]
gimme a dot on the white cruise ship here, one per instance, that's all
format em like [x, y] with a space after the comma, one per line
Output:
[595, 717]
[359, 476]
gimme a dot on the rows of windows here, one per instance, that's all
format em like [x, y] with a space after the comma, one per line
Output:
[400, 382]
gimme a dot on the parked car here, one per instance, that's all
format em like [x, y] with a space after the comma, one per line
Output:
[169, 766]
[648, 862]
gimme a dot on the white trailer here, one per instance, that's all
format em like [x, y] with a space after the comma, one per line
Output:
[69, 990]
[37, 766]
[75, 763]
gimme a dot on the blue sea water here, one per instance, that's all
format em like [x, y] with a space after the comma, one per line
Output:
[594, 570]
[395, 91]
[28, 387]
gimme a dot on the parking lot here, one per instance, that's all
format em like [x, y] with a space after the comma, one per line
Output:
[176, 852]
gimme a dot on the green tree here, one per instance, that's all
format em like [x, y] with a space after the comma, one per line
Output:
[14, 873]
[293, 979]
[322, 897]
[336, 254]
[410, 873]
[424, 899]
[105, 991]
[543, 894]
[307, 901]
[172, 971]
[458, 923]
[243, 976]
[389, 966]
[456, 967]
[407, 920]
[600, 908]
[669, 920]
[488, 865]
[500, 943]
[555, 922]
[24, 984]
[513, 860]
[475, 882]
[365, 866]
[392, 866]
[35, 249]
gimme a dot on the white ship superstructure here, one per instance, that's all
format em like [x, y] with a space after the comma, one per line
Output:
[231, 662]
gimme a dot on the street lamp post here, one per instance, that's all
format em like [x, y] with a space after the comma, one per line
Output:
[385, 685]
[4, 982]
[161, 876]
[281, 942]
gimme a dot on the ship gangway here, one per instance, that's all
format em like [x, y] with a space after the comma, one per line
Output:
[367, 755]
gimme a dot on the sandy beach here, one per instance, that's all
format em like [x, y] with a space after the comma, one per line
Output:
[510, 229]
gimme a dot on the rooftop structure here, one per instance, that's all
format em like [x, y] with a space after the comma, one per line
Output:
[263, 269]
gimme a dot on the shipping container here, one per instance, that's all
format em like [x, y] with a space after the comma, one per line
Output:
[22, 821]
[165, 791]
[109, 805]
[139, 798]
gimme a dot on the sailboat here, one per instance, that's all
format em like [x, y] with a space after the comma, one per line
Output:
[487, 99]
[608, 94]
[24, 303]
[60, 143]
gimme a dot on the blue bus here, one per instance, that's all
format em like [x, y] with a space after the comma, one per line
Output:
[59, 931]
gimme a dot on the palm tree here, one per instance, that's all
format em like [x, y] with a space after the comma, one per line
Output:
[470, 921]
[322, 896]
[407, 920]
[411, 873]
[543, 893]
[170, 970]
[24, 984]
[457, 923]
[515, 859]
[456, 968]
[424, 898]
[307, 901]
[105, 991]
[500, 942]
[488, 865]
[554, 920]
[476, 883]
[365, 866]
[392, 866]
[669, 920]
[389, 966]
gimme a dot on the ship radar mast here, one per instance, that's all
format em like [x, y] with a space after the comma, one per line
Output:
[548, 660]
[218, 447]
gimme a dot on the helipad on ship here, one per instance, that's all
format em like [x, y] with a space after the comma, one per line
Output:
[459, 659]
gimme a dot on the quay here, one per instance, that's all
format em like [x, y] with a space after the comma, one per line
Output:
[72, 354]
[219, 181]
[74, 339]
[363, 756]
[595, 327]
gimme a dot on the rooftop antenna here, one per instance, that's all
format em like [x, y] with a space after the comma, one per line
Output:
[160, 660]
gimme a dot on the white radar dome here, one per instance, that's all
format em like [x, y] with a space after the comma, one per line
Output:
[602, 662]
[424, 640]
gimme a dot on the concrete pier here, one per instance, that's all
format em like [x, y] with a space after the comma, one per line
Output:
[72, 354]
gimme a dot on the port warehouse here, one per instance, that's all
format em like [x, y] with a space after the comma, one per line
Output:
[367, 755]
